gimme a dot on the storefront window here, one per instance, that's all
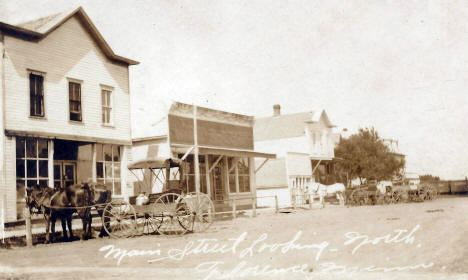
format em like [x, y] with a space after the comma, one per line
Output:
[242, 165]
[31, 167]
[232, 176]
[189, 177]
[108, 167]
[244, 177]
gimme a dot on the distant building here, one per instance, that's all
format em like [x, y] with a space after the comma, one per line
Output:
[411, 179]
[304, 143]
[394, 149]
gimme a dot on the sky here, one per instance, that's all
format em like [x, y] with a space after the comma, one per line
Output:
[398, 66]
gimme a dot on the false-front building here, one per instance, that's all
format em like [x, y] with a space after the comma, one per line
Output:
[65, 102]
[226, 154]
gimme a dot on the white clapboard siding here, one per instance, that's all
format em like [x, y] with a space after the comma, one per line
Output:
[67, 52]
[10, 178]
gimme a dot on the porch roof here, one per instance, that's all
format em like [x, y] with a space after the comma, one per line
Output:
[154, 163]
[206, 150]
[322, 158]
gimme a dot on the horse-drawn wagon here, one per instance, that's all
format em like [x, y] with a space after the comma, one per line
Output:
[171, 212]
[371, 193]
[386, 192]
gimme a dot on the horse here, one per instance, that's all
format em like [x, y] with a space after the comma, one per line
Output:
[81, 199]
[46, 199]
[337, 189]
[100, 197]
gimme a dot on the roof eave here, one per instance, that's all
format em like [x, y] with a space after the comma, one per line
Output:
[19, 30]
[125, 60]
[86, 20]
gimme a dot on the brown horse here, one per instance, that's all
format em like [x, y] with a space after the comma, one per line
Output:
[50, 201]
[100, 197]
[81, 199]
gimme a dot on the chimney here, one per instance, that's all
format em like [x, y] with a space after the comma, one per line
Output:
[276, 110]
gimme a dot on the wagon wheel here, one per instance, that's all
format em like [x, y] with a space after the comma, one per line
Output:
[354, 198]
[435, 192]
[350, 200]
[170, 213]
[379, 197]
[147, 223]
[432, 192]
[422, 193]
[395, 196]
[363, 198]
[367, 198]
[389, 197]
[414, 195]
[119, 219]
[429, 194]
[202, 211]
[403, 196]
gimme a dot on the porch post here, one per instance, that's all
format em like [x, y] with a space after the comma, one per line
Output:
[93, 163]
[236, 169]
[253, 182]
[207, 174]
[195, 155]
[226, 176]
[50, 163]
[123, 172]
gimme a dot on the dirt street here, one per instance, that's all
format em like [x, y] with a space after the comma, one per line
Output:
[406, 241]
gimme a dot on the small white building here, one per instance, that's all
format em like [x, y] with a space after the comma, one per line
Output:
[412, 179]
[65, 103]
[304, 143]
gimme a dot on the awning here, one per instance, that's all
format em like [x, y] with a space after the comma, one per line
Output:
[204, 150]
[60, 136]
[155, 163]
[320, 158]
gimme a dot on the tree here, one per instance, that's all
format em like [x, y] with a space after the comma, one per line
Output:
[365, 156]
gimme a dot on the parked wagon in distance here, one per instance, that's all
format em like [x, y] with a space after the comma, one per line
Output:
[386, 192]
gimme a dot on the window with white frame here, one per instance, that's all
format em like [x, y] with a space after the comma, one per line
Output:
[243, 174]
[31, 167]
[74, 93]
[108, 166]
[239, 168]
[36, 95]
[106, 101]
[189, 175]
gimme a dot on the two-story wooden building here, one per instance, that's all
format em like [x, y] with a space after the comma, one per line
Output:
[65, 102]
[304, 143]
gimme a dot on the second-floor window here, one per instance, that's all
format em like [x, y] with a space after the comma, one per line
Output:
[36, 95]
[74, 91]
[106, 106]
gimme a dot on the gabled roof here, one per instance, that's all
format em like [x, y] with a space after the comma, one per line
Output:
[287, 126]
[38, 29]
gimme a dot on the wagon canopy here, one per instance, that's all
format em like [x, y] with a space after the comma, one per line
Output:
[155, 163]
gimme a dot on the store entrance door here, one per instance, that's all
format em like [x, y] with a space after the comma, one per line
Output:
[64, 174]
[217, 183]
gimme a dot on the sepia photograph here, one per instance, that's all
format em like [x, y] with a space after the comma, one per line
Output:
[222, 140]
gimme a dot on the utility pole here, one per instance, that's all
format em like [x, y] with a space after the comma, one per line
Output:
[195, 144]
